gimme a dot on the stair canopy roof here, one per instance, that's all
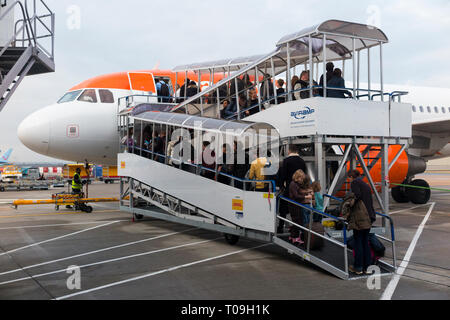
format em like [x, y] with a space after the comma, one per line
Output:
[339, 44]
[234, 128]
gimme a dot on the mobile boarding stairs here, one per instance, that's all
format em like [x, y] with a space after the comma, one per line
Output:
[333, 135]
[150, 187]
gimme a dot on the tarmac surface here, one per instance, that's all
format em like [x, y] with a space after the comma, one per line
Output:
[152, 259]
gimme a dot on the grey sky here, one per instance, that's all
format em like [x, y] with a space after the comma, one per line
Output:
[117, 35]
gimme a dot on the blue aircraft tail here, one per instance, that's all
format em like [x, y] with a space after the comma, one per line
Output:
[4, 158]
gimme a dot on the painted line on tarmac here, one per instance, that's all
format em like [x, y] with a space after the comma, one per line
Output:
[412, 208]
[19, 215]
[390, 289]
[97, 251]
[110, 261]
[57, 238]
[159, 272]
[58, 225]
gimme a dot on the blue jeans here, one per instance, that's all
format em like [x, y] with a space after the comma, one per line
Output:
[306, 215]
[362, 250]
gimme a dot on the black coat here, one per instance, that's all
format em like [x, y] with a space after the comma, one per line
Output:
[288, 168]
[241, 169]
[363, 192]
[329, 76]
[263, 89]
[164, 93]
[241, 87]
[281, 99]
[337, 82]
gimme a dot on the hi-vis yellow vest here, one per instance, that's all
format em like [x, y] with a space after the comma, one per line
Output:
[76, 185]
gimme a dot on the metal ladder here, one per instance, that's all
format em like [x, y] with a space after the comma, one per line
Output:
[23, 54]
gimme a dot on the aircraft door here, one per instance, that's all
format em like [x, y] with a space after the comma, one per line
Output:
[142, 83]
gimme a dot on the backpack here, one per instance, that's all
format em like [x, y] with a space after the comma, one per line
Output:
[377, 249]
[316, 241]
[164, 92]
[376, 245]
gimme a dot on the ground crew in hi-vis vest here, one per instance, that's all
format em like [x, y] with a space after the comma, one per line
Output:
[77, 184]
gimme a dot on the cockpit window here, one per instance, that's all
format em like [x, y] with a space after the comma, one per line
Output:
[88, 95]
[69, 96]
[106, 96]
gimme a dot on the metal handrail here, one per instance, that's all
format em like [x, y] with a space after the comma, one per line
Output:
[377, 213]
[28, 26]
[310, 231]
[314, 210]
[34, 31]
[268, 100]
[391, 223]
[218, 173]
[285, 94]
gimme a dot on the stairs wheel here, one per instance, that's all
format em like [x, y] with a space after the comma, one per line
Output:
[231, 239]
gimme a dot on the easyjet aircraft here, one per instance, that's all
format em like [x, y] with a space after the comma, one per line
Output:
[82, 125]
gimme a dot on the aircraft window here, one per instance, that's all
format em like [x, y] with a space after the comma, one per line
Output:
[106, 96]
[421, 109]
[429, 109]
[443, 110]
[414, 109]
[436, 109]
[88, 96]
[69, 96]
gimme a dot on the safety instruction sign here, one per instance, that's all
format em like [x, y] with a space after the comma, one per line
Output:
[238, 205]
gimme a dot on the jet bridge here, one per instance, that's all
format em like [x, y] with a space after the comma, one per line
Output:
[369, 131]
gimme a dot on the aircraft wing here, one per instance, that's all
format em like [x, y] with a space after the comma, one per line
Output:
[433, 127]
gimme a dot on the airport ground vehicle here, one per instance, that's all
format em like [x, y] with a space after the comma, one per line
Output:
[25, 185]
[78, 201]
[70, 169]
[10, 174]
[109, 174]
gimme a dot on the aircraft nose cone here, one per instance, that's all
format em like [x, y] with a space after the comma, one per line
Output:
[34, 132]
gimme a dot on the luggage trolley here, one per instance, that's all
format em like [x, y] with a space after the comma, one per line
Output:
[68, 199]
